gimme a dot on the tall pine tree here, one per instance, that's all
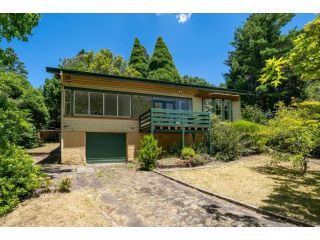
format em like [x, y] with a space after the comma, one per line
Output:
[139, 59]
[161, 65]
[258, 40]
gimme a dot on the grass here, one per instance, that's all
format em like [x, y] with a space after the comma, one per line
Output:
[251, 180]
[45, 149]
[82, 211]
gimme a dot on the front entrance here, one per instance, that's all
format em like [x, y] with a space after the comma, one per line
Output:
[105, 147]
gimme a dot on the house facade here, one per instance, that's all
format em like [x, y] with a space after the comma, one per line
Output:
[104, 117]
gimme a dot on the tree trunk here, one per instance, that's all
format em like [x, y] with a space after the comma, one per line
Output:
[304, 166]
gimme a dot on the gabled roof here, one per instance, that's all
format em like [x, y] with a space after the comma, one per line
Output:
[143, 80]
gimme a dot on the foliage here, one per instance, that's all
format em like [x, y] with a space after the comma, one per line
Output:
[312, 91]
[258, 40]
[65, 185]
[195, 161]
[187, 152]
[15, 124]
[161, 65]
[305, 55]
[26, 98]
[19, 177]
[252, 136]
[15, 25]
[139, 59]
[51, 91]
[272, 73]
[225, 140]
[102, 61]
[253, 113]
[292, 135]
[149, 152]
[195, 81]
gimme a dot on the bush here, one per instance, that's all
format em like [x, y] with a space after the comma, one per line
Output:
[225, 140]
[19, 177]
[252, 137]
[65, 185]
[187, 153]
[293, 135]
[254, 114]
[149, 152]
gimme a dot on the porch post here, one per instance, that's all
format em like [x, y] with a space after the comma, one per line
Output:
[151, 121]
[183, 137]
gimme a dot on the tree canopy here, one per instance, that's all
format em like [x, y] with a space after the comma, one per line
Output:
[15, 25]
[258, 45]
[161, 66]
[195, 81]
[139, 59]
[102, 61]
[305, 55]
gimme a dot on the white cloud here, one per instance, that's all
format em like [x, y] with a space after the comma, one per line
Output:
[183, 17]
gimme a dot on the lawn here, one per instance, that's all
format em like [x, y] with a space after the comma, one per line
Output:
[251, 180]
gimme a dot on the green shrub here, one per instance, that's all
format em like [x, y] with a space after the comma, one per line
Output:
[187, 153]
[225, 140]
[252, 136]
[19, 177]
[254, 114]
[65, 185]
[200, 146]
[292, 135]
[149, 152]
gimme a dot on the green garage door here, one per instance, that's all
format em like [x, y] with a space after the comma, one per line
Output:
[105, 147]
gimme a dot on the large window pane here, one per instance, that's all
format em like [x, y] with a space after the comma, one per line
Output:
[124, 105]
[183, 104]
[135, 106]
[145, 104]
[96, 103]
[227, 109]
[67, 102]
[81, 102]
[207, 105]
[218, 106]
[110, 104]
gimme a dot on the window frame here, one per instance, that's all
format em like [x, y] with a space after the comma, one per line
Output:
[64, 102]
[73, 91]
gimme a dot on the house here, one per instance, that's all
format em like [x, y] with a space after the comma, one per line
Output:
[104, 117]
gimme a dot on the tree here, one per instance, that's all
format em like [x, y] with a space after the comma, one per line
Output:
[195, 81]
[257, 41]
[139, 58]
[102, 61]
[15, 25]
[52, 97]
[305, 55]
[25, 97]
[161, 65]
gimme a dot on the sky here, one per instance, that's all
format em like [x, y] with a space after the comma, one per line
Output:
[199, 43]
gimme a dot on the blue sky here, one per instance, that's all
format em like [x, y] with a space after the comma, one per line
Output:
[199, 43]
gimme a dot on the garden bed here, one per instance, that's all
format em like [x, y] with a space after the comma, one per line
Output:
[250, 180]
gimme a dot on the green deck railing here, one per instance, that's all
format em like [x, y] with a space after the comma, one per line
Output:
[167, 120]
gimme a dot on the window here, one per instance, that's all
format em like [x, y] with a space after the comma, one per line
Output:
[145, 103]
[207, 105]
[96, 103]
[124, 105]
[81, 102]
[67, 102]
[110, 104]
[183, 104]
[135, 106]
[218, 106]
[227, 110]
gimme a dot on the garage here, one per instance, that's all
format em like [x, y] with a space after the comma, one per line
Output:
[105, 148]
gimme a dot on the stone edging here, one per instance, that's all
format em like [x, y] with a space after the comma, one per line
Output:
[259, 210]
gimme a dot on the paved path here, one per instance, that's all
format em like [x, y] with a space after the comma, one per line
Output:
[137, 198]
